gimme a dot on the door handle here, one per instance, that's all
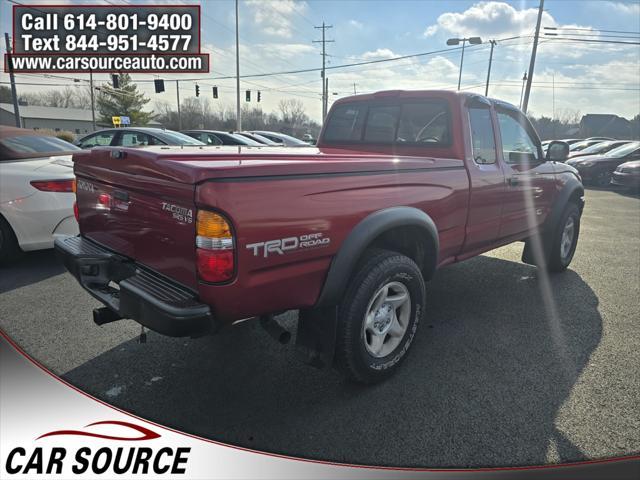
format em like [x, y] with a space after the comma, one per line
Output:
[512, 181]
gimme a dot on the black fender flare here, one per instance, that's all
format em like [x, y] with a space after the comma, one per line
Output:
[573, 189]
[363, 234]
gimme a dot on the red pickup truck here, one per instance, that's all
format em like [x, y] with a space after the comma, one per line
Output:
[186, 240]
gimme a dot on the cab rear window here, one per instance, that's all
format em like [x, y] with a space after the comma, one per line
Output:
[425, 122]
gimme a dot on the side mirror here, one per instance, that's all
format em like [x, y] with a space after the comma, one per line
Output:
[557, 151]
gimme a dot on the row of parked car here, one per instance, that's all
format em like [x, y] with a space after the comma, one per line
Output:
[37, 180]
[604, 161]
[139, 136]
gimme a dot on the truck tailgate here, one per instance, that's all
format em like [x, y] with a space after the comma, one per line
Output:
[141, 215]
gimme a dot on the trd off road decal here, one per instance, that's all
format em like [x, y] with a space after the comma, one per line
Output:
[281, 246]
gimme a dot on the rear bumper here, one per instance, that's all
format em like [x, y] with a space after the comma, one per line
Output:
[142, 295]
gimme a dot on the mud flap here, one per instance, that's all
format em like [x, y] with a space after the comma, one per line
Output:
[529, 254]
[316, 336]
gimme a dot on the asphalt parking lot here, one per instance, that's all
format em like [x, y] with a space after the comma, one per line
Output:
[496, 375]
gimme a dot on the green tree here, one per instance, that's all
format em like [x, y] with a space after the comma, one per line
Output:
[5, 94]
[124, 101]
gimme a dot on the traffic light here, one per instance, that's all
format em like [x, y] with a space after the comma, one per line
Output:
[159, 84]
[248, 95]
[197, 90]
[215, 92]
[259, 95]
[115, 80]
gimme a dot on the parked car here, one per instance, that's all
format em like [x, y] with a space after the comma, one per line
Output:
[281, 138]
[216, 137]
[259, 138]
[135, 137]
[307, 137]
[401, 184]
[571, 141]
[598, 169]
[579, 146]
[599, 148]
[600, 138]
[36, 191]
[627, 175]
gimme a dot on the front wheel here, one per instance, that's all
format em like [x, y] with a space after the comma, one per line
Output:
[602, 179]
[565, 239]
[378, 316]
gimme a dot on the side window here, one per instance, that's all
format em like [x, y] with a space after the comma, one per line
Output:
[482, 138]
[381, 124]
[99, 139]
[345, 123]
[135, 139]
[517, 144]
[212, 140]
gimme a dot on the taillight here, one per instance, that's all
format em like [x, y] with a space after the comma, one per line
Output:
[214, 247]
[60, 186]
[76, 213]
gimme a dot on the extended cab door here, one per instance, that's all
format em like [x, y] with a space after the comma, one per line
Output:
[530, 180]
[486, 176]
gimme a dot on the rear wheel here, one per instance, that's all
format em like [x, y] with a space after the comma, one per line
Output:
[378, 316]
[602, 178]
[9, 249]
[565, 239]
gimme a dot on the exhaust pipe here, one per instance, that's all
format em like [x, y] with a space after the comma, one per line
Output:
[104, 315]
[273, 328]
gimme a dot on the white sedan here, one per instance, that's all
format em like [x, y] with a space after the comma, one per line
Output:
[36, 191]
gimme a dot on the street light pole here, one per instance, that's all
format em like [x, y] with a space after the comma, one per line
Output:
[486, 88]
[456, 41]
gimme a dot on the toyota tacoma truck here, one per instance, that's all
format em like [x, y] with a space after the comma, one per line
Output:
[189, 240]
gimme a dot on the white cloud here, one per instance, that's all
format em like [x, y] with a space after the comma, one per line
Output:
[431, 30]
[378, 54]
[490, 19]
[356, 24]
[624, 8]
[275, 18]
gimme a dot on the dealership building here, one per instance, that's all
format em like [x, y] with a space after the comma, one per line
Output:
[75, 120]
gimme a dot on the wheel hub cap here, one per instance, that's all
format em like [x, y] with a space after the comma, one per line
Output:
[567, 237]
[387, 319]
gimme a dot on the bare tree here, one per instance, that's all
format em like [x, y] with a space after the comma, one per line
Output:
[292, 112]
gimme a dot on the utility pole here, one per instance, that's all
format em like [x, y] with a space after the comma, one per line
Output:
[93, 105]
[553, 95]
[238, 111]
[524, 79]
[486, 89]
[354, 89]
[326, 95]
[12, 79]
[178, 99]
[532, 64]
[324, 41]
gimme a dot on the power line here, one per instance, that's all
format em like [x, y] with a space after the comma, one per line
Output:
[591, 40]
[591, 30]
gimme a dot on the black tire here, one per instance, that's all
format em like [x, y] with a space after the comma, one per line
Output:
[559, 259]
[378, 269]
[602, 178]
[9, 249]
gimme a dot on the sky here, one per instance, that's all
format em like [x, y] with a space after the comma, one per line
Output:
[571, 78]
